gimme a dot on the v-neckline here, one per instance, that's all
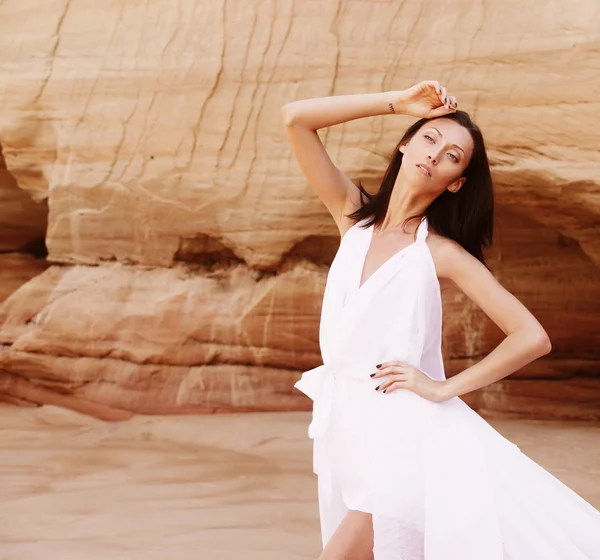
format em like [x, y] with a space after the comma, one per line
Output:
[386, 262]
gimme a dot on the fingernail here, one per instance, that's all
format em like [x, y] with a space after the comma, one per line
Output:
[377, 387]
[372, 375]
[378, 366]
[384, 390]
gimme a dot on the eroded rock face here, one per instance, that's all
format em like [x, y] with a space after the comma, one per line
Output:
[23, 222]
[148, 340]
[144, 148]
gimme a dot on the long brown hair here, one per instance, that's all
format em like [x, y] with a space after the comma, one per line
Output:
[466, 216]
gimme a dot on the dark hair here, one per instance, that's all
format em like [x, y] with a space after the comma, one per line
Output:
[466, 216]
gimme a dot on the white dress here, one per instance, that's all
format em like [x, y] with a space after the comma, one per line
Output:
[441, 483]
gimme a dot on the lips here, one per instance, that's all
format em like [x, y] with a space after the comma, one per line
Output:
[425, 168]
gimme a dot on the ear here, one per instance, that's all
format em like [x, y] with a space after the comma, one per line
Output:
[402, 147]
[455, 187]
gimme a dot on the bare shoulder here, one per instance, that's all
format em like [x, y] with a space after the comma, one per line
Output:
[443, 250]
[452, 260]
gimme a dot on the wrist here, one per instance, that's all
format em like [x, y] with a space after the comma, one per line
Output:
[395, 100]
[445, 391]
[391, 102]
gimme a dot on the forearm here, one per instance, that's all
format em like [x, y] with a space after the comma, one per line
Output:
[321, 112]
[515, 351]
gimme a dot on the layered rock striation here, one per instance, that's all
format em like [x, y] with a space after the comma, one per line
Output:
[160, 250]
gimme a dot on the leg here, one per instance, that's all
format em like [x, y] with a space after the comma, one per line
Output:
[352, 540]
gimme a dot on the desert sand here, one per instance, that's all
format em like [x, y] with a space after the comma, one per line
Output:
[214, 487]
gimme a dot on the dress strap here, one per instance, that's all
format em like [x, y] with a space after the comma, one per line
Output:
[422, 229]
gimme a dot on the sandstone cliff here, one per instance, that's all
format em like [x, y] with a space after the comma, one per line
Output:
[160, 248]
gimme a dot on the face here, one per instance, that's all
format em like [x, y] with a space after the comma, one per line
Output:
[445, 147]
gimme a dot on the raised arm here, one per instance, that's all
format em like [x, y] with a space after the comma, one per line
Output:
[303, 118]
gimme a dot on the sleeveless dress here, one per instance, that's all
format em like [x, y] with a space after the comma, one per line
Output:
[441, 483]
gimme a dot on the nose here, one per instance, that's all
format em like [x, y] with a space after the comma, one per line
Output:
[433, 159]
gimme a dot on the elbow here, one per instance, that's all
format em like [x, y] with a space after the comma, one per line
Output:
[286, 114]
[542, 343]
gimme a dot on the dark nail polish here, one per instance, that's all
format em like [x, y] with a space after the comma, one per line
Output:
[372, 375]
[384, 390]
[377, 387]
[378, 366]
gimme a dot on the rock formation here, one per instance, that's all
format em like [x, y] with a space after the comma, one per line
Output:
[161, 250]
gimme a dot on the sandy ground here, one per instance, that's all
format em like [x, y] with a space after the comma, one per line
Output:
[196, 487]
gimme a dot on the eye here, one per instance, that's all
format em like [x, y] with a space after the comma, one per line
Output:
[433, 140]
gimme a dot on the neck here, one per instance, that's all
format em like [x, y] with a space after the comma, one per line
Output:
[404, 203]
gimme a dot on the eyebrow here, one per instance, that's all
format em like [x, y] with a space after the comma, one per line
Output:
[443, 135]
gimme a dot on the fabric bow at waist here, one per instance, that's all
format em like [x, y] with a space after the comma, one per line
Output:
[319, 384]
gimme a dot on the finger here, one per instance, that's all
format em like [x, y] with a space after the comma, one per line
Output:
[453, 101]
[440, 111]
[386, 383]
[387, 370]
[443, 95]
[393, 387]
[435, 84]
[381, 367]
[389, 364]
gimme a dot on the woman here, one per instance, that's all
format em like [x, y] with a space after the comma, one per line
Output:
[406, 470]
